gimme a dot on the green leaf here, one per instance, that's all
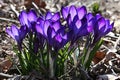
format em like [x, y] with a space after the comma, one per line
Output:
[95, 8]
[92, 53]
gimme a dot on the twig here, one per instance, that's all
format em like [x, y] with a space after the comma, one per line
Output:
[66, 73]
[2, 75]
[117, 41]
[110, 66]
[110, 35]
[113, 42]
[10, 20]
[37, 8]
[115, 45]
[13, 8]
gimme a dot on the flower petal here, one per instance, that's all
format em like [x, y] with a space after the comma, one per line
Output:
[23, 31]
[90, 26]
[81, 12]
[65, 12]
[78, 24]
[39, 29]
[89, 16]
[39, 26]
[73, 12]
[64, 36]
[48, 15]
[46, 26]
[109, 26]
[98, 16]
[56, 26]
[58, 38]
[56, 16]
[32, 16]
[9, 31]
[101, 23]
[23, 18]
[16, 33]
[53, 34]
[15, 30]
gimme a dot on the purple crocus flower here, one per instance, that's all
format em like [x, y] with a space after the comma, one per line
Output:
[79, 22]
[52, 30]
[43, 24]
[28, 19]
[73, 12]
[101, 27]
[57, 36]
[53, 17]
[17, 34]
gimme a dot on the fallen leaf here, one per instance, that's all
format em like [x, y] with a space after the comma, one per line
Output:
[39, 3]
[5, 65]
[98, 57]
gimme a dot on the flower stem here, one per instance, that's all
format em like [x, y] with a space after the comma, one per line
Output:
[51, 65]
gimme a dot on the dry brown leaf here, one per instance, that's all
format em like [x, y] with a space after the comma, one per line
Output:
[98, 57]
[39, 3]
[5, 65]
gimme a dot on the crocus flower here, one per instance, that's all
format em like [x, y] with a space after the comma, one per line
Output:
[101, 27]
[44, 23]
[57, 36]
[53, 17]
[17, 34]
[79, 22]
[42, 26]
[52, 30]
[28, 19]
[73, 12]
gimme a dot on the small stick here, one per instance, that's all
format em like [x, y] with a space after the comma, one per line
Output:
[37, 8]
[3, 75]
[117, 41]
[13, 8]
[66, 73]
[10, 20]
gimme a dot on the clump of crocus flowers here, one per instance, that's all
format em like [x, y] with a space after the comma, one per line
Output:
[45, 43]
